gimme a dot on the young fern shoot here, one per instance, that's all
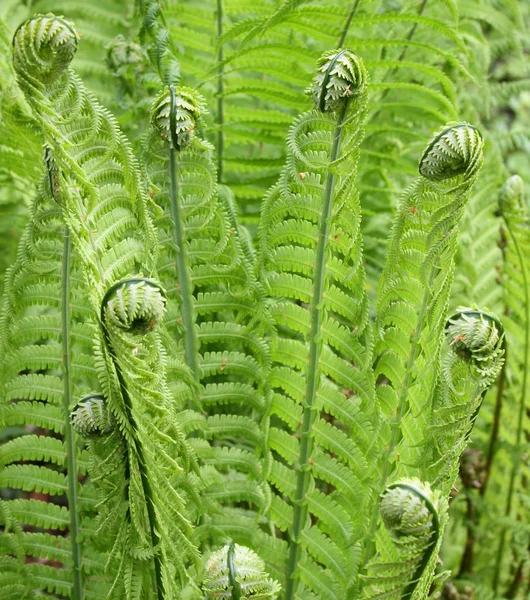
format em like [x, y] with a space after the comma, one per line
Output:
[217, 317]
[105, 209]
[311, 265]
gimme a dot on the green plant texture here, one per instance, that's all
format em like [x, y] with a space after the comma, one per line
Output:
[265, 330]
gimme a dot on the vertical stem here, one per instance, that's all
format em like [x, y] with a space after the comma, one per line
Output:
[220, 91]
[77, 590]
[312, 381]
[183, 275]
[344, 33]
[522, 403]
[466, 564]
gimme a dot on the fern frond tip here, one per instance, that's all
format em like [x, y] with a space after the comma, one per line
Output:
[455, 150]
[175, 114]
[341, 75]
[91, 417]
[43, 48]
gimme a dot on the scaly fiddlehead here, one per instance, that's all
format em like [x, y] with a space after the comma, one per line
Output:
[411, 513]
[237, 573]
[311, 263]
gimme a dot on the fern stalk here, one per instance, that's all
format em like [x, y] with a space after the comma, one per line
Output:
[77, 590]
[522, 401]
[344, 33]
[188, 317]
[316, 313]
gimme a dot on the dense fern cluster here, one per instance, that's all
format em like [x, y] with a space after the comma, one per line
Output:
[202, 397]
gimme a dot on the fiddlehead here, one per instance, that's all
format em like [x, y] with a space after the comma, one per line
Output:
[476, 337]
[340, 75]
[43, 48]
[175, 114]
[91, 417]
[105, 207]
[311, 264]
[412, 301]
[136, 305]
[216, 315]
[410, 512]
[237, 573]
[455, 151]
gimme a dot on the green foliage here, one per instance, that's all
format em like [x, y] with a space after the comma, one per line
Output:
[199, 401]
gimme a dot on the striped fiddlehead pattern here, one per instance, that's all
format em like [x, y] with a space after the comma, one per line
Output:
[237, 573]
[411, 513]
[47, 333]
[414, 290]
[105, 209]
[471, 362]
[217, 318]
[322, 407]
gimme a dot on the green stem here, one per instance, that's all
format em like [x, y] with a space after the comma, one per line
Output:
[183, 273]
[220, 92]
[77, 590]
[146, 484]
[344, 33]
[232, 573]
[312, 381]
[522, 403]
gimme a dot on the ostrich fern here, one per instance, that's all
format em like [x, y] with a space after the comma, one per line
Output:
[201, 403]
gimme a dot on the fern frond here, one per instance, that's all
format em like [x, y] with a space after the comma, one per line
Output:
[311, 261]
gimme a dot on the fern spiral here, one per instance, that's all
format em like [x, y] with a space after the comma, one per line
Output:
[478, 338]
[237, 573]
[176, 113]
[340, 75]
[456, 150]
[91, 417]
[410, 511]
[43, 48]
[136, 304]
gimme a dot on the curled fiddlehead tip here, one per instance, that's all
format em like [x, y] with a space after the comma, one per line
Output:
[477, 337]
[91, 417]
[341, 75]
[236, 573]
[136, 305]
[43, 47]
[409, 508]
[124, 55]
[455, 150]
[175, 114]
[512, 194]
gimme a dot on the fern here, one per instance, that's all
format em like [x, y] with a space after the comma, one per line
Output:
[217, 317]
[311, 264]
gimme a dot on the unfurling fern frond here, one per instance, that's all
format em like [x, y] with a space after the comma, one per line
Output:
[91, 417]
[473, 358]
[105, 208]
[47, 361]
[311, 265]
[411, 513]
[216, 316]
[237, 573]
[414, 289]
